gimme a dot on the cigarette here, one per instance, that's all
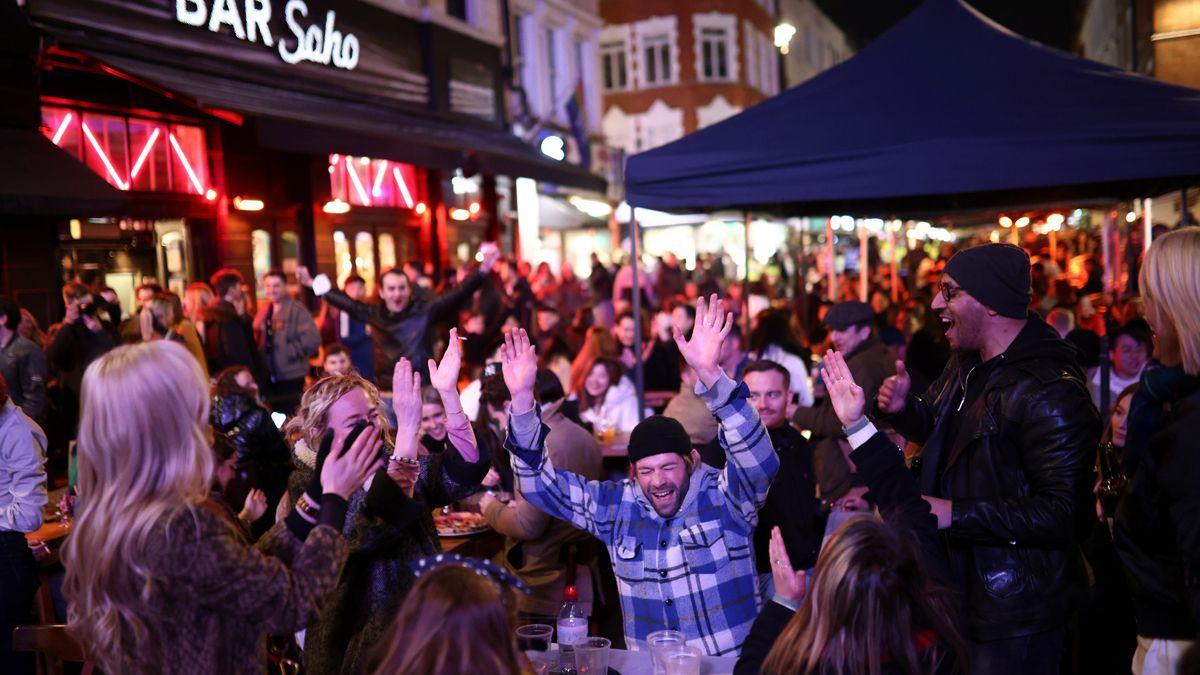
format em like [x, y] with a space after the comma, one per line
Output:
[462, 338]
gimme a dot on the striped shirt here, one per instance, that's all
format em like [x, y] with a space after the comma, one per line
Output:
[693, 572]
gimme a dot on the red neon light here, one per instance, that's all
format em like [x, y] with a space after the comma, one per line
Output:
[358, 186]
[408, 200]
[186, 166]
[375, 189]
[62, 129]
[103, 157]
[137, 166]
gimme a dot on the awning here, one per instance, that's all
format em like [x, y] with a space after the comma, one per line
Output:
[302, 120]
[46, 181]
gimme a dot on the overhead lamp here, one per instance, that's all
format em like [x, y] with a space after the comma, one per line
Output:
[1055, 219]
[460, 214]
[473, 208]
[210, 194]
[1130, 217]
[336, 206]
[784, 33]
[1023, 221]
[421, 208]
[592, 207]
[247, 204]
[1005, 221]
[554, 147]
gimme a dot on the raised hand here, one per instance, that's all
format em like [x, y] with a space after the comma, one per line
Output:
[491, 254]
[346, 470]
[255, 506]
[444, 376]
[518, 359]
[894, 390]
[406, 399]
[845, 395]
[703, 350]
[303, 276]
[790, 584]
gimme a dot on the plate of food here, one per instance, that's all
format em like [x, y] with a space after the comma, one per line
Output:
[459, 523]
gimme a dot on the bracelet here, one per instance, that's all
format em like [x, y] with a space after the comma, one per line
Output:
[858, 426]
[307, 509]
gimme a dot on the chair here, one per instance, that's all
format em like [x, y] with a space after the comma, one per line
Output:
[53, 645]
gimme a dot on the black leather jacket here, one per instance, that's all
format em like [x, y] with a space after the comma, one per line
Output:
[405, 333]
[1018, 472]
[260, 445]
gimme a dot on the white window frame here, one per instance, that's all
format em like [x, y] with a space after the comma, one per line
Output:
[655, 29]
[716, 21]
[612, 48]
[751, 51]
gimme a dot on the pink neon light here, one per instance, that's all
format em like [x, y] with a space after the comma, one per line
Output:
[358, 186]
[186, 166]
[62, 129]
[408, 200]
[137, 166]
[103, 157]
[375, 189]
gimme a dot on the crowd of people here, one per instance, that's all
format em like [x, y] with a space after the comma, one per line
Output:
[987, 466]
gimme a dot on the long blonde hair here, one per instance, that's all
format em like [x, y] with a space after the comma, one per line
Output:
[869, 600]
[195, 299]
[312, 417]
[454, 621]
[144, 458]
[1170, 284]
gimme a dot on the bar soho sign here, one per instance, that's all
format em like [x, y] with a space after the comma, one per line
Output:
[325, 46]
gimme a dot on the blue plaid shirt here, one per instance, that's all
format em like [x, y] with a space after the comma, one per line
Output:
[693, 572]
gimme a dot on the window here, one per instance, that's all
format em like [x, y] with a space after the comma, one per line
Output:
[612, 57]
[363, 181]
[518, 45]
[552, 67]
[714, 54]
[364, 258]
[387, 251]
[656, 55]
[457, 9]
[341, 256]
[132, 153]
[289, 251]
[260, 255]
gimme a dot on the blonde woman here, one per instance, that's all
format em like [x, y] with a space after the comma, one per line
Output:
[197, 296]
[1157, 524]
[156, 580]
[389, 523]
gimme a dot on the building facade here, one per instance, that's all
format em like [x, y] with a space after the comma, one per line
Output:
[252, 135]
[811, 43]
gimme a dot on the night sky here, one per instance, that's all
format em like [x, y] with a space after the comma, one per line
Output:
[1051, 22]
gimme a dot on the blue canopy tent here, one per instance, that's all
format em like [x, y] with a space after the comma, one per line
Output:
[945, 113]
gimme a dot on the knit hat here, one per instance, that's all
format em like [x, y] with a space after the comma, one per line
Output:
[997, 275]
[658, 434]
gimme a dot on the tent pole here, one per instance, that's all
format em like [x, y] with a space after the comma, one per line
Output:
[1148, 224]
[830, 258]
[864, 263]
[637, 313]
[1105, 247]
[746, 277]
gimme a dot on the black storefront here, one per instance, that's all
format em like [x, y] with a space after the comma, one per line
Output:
[165, 139]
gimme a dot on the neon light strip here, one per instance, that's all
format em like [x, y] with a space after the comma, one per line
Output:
[379, 178]
[62, 128]
[408, 200]
[358, 186]
[103, 157]
[137, 166]
[186, 166]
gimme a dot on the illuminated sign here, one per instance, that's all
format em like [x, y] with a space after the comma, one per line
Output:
[316, 43]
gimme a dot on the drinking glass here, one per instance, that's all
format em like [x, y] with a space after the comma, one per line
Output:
[534, 640]
[591, 656]
[683, 660]
[660, 642]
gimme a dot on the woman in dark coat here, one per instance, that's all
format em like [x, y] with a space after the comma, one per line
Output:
[389, 523]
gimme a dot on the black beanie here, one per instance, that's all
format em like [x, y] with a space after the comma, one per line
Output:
[658, 434]
[997, 275]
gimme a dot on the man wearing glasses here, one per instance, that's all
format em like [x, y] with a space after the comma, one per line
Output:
[1009, 435]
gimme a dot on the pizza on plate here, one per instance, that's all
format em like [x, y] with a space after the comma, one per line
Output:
[459, 522]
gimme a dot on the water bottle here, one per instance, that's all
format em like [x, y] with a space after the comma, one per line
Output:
[572, 627]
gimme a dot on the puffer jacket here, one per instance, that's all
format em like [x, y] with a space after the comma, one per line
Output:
[406, 334]
[1018, 473]
[260, 446]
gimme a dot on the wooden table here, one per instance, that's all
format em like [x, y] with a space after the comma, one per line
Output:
[482, 545]
[617, 446]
